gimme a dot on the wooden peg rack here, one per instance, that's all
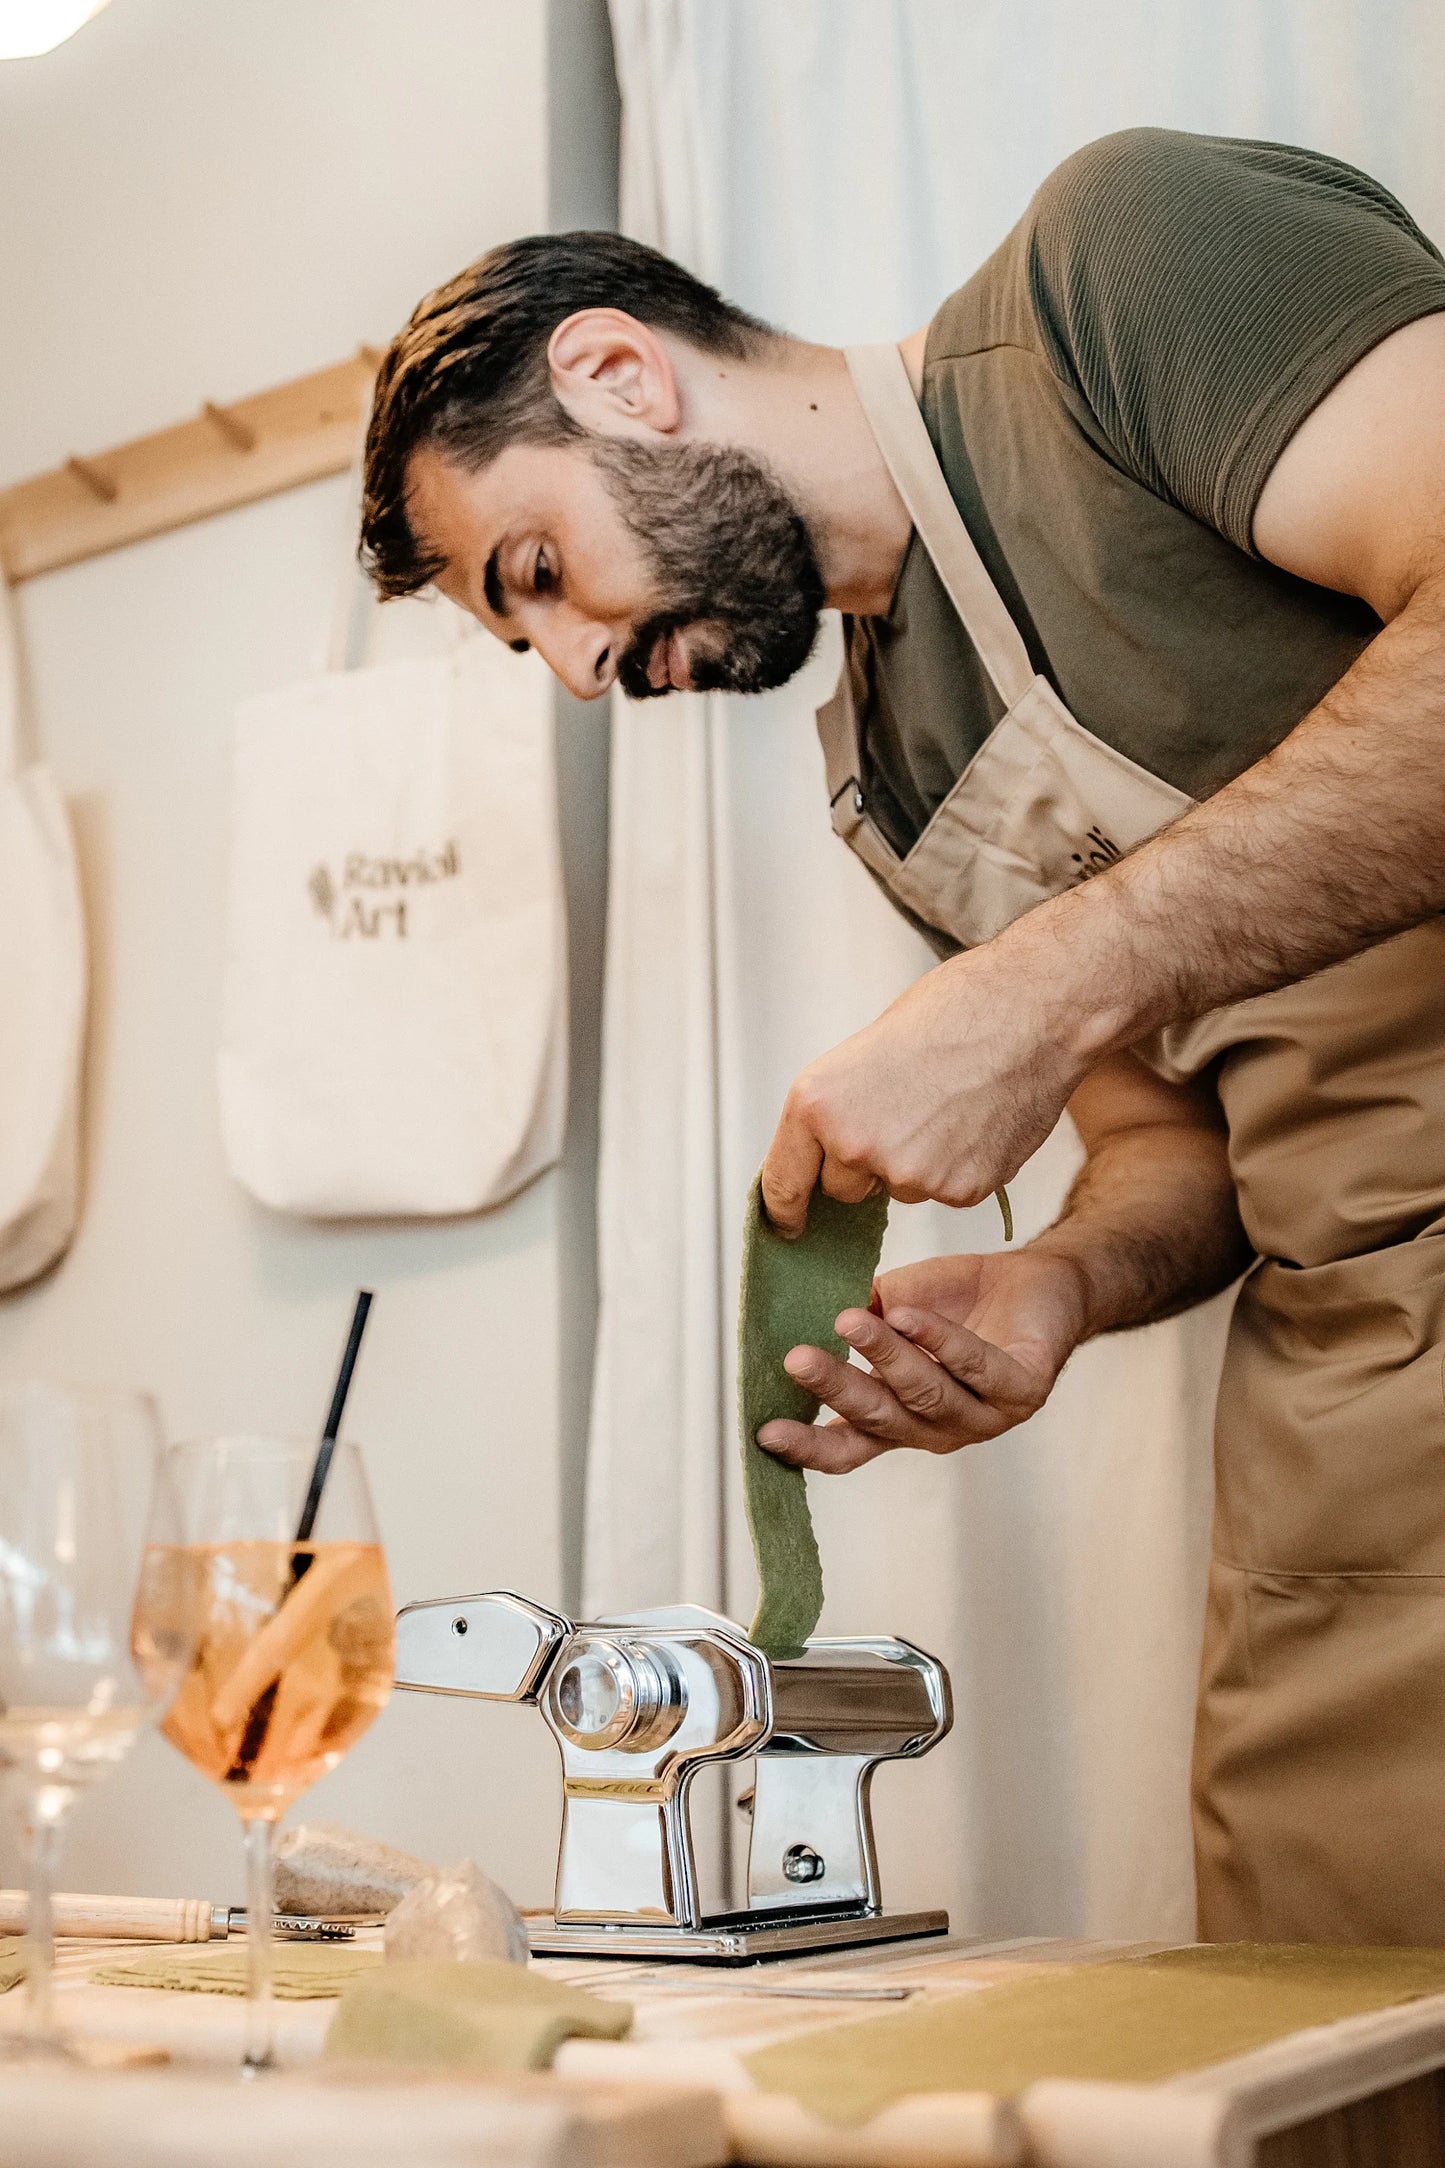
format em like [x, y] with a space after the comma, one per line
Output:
[227, 456]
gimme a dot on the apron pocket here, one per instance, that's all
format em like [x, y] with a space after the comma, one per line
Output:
[1330, 1435]
[1320, 1759]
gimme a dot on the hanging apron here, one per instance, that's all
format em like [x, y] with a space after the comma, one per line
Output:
[1319, 1766]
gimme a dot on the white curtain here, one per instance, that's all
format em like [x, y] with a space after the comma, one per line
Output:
[838, 166]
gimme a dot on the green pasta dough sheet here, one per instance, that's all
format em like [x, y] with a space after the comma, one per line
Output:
[791, 1293]
[300, 1972]
[1130, 2021]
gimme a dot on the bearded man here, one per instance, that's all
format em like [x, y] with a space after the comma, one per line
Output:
[1140, 546]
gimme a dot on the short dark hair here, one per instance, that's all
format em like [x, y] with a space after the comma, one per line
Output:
[468, 372]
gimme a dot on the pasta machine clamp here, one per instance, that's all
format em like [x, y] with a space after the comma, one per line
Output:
[639, 1705]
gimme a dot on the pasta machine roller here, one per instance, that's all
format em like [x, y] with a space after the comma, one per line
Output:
[639, 1706]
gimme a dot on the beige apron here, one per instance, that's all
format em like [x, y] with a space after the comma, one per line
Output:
[1319, 1781]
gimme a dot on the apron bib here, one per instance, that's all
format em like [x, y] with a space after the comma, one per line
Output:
[1043, 803]
[1318, 1755]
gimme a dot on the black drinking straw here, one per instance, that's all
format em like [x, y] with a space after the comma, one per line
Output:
[322, 1466]
[254, 1737]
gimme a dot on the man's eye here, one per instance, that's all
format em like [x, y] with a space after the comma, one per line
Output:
[544, 577]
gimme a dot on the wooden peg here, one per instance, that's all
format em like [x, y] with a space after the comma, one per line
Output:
[231, 426]
[93, 478]
[298, 432]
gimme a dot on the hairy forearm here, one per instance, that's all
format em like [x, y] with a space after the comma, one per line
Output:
[1152, 1226]
[1335, 840]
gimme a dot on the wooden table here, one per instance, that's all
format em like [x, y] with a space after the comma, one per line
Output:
[1367, 2093]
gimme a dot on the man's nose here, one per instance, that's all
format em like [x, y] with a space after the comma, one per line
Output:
[583, 654]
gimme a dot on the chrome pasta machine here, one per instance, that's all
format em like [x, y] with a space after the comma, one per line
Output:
[640, 1706]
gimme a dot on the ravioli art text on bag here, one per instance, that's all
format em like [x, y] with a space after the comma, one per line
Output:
[345, 900]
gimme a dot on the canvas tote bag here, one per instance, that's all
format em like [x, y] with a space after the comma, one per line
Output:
[43, 992]
[393, 1039]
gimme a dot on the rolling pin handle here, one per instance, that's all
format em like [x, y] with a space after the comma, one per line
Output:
[80, 1917]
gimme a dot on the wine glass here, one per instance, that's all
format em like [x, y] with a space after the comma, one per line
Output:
[294, 1646]
[82, 1491]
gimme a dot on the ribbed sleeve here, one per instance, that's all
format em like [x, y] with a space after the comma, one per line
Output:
[1202, 295]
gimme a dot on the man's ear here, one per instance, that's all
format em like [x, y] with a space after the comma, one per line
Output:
[613, 375]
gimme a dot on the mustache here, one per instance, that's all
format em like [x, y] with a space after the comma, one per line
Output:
[750, 655]
[632, 665]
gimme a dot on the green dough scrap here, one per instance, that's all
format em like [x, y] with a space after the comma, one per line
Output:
[791, 1293]
[477, 2017]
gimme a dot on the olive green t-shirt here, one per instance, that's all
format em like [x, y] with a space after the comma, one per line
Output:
[1107, 396]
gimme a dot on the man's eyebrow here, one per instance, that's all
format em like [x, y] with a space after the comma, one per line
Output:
[492, 588]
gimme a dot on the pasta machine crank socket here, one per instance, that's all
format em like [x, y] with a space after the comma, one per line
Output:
[638, 1706]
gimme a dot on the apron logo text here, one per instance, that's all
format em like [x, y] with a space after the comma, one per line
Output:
[1104, 853]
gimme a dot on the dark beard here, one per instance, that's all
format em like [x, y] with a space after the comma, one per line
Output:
[730, 551]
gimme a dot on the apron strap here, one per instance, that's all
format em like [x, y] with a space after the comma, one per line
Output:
[880, 378]
[846, 808]
[840, 744]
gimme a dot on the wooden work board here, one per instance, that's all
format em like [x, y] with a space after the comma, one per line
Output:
[1363, 2093]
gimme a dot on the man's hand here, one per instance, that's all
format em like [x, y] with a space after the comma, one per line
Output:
[961, 1348]
[944, 1096]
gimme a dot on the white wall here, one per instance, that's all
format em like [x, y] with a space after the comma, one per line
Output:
[201, 201]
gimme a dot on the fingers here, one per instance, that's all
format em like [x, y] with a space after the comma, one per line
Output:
[932, 1385]
[829, 1448]
[849, 1184]
[790, 1172]
[921, 1386]
[854, 1394]
[900, 1348]
[952, 1394]
[807, 1149]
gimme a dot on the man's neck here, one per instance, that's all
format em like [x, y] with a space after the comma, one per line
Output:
[795, 408]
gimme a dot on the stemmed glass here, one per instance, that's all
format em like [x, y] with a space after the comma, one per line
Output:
[293, 1644]
[82, 1492]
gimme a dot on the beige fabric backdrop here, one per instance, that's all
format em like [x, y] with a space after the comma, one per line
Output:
[839, 165]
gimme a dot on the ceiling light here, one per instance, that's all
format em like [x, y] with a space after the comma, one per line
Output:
[28, 27]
